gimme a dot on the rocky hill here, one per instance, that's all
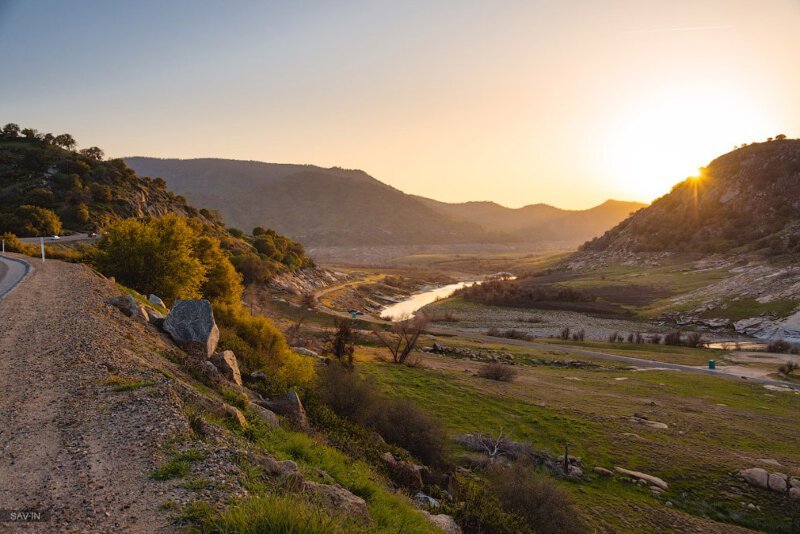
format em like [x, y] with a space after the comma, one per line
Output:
[745, 201]
[338, 207]
[82, 190]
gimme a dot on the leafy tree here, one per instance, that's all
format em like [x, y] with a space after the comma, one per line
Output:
[265, 244]
[30, 133]
[223, 283]
[93, 153]
[101, 193]
[152, 256]
[64, 141]
[259, 230]
[254, 269]
[32, 221]
[40, 196]
[82, 214]
[11, 130]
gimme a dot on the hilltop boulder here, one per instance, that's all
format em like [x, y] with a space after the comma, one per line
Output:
[191, 325]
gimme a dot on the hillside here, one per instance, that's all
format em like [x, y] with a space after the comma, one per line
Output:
[744, 201]
[539, 222]
[313, 205]
[47, 187]
[338, 207]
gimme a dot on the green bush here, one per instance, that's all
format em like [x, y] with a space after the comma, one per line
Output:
[480, 511]
[13, 244]
[260, 346]
[31, 221]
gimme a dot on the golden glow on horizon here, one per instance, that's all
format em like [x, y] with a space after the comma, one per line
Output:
[668, 136]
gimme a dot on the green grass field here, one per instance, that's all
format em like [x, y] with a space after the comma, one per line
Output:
[717, 426]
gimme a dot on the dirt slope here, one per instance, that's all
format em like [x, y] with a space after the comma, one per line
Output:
[71, 445]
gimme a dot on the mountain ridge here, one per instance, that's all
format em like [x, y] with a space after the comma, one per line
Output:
[335, 206]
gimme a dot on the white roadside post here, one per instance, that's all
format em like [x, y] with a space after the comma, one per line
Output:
[41, 240]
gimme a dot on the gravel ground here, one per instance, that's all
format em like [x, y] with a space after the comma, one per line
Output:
[70, 445]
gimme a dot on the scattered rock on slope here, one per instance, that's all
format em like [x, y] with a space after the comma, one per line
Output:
[191, 325]
[226, 362]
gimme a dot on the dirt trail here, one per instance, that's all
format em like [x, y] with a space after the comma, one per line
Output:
[69, 445]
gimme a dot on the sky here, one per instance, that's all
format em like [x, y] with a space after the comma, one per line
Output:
[566, 102]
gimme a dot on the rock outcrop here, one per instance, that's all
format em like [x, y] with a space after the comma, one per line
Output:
[228, 365]
[191, 325]
[289, 406]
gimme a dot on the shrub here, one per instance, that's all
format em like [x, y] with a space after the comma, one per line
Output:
[614, 337]
[779, 346]
[789, 367]
[222, 283]
[673, 338]
[655, 339]
[260, 346]
[399, 422]
[13, 244]
[542, 503]
[152, 256]
[564, 333]
[480, 511]
[498, 371]
[32, 221]
[580, 335]
[694, 340]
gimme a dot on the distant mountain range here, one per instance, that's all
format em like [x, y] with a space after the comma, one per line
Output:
[747, 200]
[334, 206]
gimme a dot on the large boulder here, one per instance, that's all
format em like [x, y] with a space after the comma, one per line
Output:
[756, 476]
[191, 325]
[778, 482]
[228, 365]
[289, 405]
[265, 415]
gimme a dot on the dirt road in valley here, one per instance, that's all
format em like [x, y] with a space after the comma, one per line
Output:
[70, 446]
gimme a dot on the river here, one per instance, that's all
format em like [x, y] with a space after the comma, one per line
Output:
[406, 308]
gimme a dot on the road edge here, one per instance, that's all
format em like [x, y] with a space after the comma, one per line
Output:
[28, 270]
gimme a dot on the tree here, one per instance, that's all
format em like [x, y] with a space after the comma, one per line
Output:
[64, 141]
[266, 245]
[780, 137]
[81, 214]
[33, 221]
[93, 152]
[101, 193]
[11, 130]
[30, 133]
[39, 196]
[223, 283]
[152, 256]
[259, 230]
[253, 268]
[402, 339]
[341, 343]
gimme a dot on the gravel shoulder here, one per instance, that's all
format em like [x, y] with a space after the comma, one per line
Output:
[70, 445]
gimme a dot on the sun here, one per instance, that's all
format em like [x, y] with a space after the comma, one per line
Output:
[668, 135]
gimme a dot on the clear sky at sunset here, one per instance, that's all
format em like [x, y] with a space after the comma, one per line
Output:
[564, 102]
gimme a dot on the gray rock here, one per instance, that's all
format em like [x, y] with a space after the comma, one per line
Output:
[289, 406]
[794, 493]
[444, 522]
[655, 481]
[756, 476]
[305, 352]
[603, 471]
[157, 301]
[794, 482]
[191, 325]
[339, 499]
[403, 473]
[128, 305]
[778, 482]
[426, 500]
[265, 415]
[228, 365]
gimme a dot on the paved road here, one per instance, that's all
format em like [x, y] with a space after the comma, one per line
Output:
[62, 239]
[12, 271]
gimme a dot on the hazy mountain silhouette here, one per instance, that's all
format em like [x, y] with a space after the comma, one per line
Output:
[335, 206]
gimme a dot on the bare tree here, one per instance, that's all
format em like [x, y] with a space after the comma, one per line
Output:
[403, 337]
[292, 333]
